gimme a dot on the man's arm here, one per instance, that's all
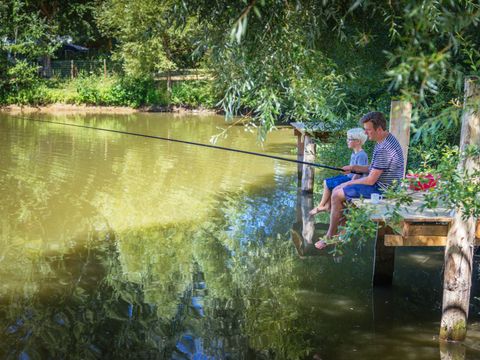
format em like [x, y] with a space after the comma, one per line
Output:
[357, 168]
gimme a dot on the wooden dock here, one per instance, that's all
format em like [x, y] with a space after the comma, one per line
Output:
[427, 227]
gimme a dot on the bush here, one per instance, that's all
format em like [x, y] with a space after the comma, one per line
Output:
[110, 91]
[193, 94]
[135, 92]
[34, 95]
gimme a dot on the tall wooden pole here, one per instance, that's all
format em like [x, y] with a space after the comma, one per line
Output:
[460, 239]
[400, 119]
[300, 150]
[384, 258]
[309, 152]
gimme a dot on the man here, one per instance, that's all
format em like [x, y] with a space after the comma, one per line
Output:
[387, 166]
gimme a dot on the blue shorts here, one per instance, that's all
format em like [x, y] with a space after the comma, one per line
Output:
[333, 182]
[360, 191]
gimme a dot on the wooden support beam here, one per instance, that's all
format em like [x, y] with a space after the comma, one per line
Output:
[400, 119]
[459, 248]
[300, 150]
[384, 259]
[422, 234]
[306, 151]
[309, 153]
[418, 240]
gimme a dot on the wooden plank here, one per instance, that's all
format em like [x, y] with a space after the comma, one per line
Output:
[427, 229]
[418, 240]
[318, 132]
[410, 213]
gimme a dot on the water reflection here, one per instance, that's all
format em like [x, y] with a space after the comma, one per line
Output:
[115, 247]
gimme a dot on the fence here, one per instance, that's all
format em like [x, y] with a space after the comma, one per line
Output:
[72, 68]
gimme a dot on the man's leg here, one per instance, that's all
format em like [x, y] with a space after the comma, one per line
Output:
[336, 211]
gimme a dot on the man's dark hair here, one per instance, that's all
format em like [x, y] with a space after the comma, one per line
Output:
[376, 118]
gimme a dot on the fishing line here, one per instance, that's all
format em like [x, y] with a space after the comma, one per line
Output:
[190, 143]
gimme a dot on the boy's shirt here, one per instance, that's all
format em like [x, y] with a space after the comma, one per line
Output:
[359, 158]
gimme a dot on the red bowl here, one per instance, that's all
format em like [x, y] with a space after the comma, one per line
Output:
[420, 182]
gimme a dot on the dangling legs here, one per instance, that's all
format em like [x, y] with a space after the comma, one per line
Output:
[325, 202]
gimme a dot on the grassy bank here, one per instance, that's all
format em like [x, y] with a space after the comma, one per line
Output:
[112, 91]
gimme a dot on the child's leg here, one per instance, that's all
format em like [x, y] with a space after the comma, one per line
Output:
[325, 202]
[326, 195]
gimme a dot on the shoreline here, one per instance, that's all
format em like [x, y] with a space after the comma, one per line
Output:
[98, 109]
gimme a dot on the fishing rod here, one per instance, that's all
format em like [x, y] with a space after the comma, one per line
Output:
[191, 143]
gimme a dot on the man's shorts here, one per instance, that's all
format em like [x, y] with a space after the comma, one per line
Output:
[360, 191]
[335, 181]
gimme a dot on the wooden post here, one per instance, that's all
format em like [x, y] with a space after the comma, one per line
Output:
[452, 351]
[400, 119]
[460, 239]
[384, 259]
[308, 171]
[308, 228]
[300, 150]
[72, 75]
[169, 83]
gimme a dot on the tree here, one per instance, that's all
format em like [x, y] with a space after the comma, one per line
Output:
[147, 40]
[267, 52]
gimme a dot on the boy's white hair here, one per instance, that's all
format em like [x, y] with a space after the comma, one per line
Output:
[357, 134]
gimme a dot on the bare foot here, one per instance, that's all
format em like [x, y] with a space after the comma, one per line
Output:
[319, 209]
[321, 244]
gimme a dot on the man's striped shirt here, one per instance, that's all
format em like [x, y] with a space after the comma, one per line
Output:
[388, 156]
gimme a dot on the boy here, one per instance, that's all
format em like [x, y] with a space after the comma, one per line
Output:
[355, 139]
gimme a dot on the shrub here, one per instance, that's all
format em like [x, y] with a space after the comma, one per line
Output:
[193, 94]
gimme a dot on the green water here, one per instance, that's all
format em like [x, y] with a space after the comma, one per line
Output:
[121, 247]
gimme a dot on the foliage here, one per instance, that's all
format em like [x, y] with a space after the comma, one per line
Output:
[24, 36]
[358, 55]
[147, 41]
[457, 189]
[124, 91]
[358, 227]
[193, 94]
[91, 90]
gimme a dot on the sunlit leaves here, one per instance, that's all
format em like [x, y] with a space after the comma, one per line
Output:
[149, 40]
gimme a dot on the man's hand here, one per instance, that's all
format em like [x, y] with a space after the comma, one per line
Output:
[348, 169]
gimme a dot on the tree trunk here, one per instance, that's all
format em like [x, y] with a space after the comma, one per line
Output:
[461, 236]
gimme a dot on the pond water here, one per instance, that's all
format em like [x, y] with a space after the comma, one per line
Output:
[121, 247]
